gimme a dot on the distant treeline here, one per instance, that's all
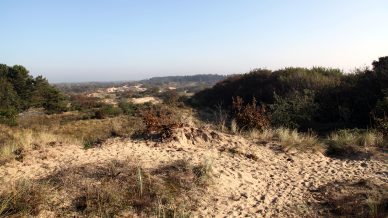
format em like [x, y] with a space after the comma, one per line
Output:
[20, 91]
[199, 78]
[307, 98]
[201, 81]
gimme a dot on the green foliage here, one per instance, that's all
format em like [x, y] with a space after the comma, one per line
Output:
[8, 116]
[319, 98]
[127, 107]
[20, 91]
[293, 111]
[380, 114]
[107, 111]
[381, 69]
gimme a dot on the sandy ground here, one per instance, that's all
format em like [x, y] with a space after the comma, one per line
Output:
[250, 178]
[143, 100]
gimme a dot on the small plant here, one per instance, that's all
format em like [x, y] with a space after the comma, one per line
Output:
[250, 116]
[221, 117]
[233, 126]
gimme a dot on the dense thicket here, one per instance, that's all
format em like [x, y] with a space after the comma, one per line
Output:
[20, 91]
[308, 98]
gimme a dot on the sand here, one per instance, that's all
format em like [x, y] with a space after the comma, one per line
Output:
[249, 178]
[143, 100]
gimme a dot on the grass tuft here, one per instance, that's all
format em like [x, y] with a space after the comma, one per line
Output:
[291, 139]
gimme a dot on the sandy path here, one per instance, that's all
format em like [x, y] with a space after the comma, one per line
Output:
[271, 185]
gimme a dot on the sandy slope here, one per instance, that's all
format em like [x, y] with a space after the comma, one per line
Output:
[250, 179]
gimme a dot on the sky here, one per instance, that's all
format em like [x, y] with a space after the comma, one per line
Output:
[113, 40]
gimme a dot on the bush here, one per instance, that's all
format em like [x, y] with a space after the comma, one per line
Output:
[170, 97]
[127, 107]
[107, 111]
[8, 116]
[249, 116]
[159, 123]
[82, 102]
[380, 115]
[293, 111]
[316, 98]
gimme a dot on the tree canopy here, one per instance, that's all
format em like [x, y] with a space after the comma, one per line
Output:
[20, 91]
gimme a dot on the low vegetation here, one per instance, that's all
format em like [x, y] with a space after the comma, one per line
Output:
[39, 131]
[114, 189]
[361, 198]
[23, 199]
[354, 142]
[291, 139]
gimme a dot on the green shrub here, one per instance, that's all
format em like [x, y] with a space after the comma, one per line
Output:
[127, 107]
[293, 111]
[19, 90]
[107, 111]
[8, 116]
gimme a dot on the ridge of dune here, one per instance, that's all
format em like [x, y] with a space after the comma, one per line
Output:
[250, 179]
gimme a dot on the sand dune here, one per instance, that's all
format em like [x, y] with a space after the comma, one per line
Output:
[250, 178]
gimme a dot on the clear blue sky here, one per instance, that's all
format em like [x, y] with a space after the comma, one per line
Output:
[105, 40]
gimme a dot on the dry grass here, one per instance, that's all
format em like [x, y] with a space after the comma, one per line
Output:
[348, 143]
[38, 131]
[233, 126]
[14, 142]
[92, 132]
[23, 199]
[356, 137]
[291, 139]
[355, 199]
[264, 135]
[113, 189]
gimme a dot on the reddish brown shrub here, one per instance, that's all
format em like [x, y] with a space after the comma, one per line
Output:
[249, 116]
[159, 123]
